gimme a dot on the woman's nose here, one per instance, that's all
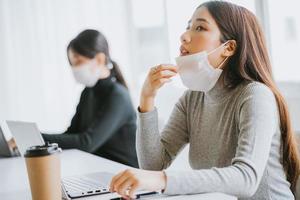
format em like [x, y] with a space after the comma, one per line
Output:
[185, 38]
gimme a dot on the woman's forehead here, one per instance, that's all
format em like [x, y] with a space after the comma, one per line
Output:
[202, 14]
[74, 55]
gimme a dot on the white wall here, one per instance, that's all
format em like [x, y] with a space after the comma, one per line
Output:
[285, 39]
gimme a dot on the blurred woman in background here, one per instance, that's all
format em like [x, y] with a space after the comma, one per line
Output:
[105, 121]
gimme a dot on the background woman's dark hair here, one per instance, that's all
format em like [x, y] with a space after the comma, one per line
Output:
[89, 43]
[251, 62]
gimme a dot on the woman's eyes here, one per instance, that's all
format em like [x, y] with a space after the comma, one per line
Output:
[200, 28]
[197, 28]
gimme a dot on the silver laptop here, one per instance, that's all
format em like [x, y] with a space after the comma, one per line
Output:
[25, 134]
[86, 185]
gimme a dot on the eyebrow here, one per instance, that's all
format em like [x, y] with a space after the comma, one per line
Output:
[199, 20]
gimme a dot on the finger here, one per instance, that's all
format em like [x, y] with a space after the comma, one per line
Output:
[163, 74]
[120, 181]
[160, 82]
[164, 67]
[124, 187]
[167, 67]
[117, 186]
[114, 179]
[133, 190]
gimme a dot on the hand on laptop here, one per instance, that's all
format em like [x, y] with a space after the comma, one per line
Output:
[127, 182]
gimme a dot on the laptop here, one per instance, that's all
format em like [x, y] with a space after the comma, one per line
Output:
[27, 134]
[86, 185]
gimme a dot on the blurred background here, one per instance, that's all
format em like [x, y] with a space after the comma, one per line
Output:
[36, 82]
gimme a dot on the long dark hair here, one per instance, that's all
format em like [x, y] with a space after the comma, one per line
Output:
[89, 43]
[251, 62]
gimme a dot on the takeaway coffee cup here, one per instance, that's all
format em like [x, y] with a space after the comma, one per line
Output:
[43, 168]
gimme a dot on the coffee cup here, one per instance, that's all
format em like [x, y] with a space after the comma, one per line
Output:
[44, 173]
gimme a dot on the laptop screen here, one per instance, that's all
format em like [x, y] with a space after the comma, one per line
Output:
[26, 134]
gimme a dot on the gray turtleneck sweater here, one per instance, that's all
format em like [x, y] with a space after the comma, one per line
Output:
[235, 143]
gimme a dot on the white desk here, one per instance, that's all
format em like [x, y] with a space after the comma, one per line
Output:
[14, 183]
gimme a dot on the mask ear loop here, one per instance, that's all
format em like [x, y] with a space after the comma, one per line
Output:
[223, 62]
[110, 65]
[212, 51]
[217, 49]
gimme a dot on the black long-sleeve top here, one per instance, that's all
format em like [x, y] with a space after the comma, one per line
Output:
[104, 124]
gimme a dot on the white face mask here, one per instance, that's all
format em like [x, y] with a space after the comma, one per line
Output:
[196, 73]
[87, 74]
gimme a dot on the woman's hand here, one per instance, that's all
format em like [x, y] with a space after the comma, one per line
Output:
[12, 143]
[126, 183]
[156, 78]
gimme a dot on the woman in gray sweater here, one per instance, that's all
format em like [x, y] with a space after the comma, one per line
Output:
[233, 116]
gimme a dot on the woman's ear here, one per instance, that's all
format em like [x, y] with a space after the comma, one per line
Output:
[100, 58]
[230, 48]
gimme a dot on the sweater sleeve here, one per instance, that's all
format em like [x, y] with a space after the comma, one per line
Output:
[156, 152]
[101, 129]
[257, 123]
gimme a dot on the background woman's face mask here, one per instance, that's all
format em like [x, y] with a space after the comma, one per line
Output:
[196, 72]
[87, 74]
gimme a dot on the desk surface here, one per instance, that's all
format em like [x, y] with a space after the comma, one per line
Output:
[14, 184]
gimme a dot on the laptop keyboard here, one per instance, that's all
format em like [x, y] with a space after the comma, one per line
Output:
[83, 186]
